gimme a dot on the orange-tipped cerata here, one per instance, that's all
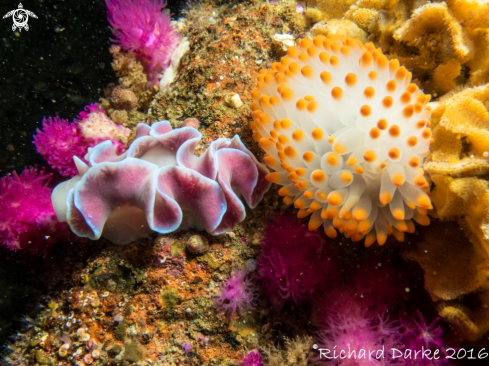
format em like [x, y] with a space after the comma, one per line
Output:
[346, 133]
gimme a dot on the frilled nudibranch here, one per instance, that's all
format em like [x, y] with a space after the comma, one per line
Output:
[159, 185]
[346, 132]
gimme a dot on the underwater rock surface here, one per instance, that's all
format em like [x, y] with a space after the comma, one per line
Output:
[153, 302]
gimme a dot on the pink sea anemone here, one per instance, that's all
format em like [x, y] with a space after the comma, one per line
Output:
[141, 27]
[367, 311]
[295, 263]
[237, 293]
[253, 358]
[27, 218]
[59, 141]
[353, 318]
[346, 325]
[417, 335]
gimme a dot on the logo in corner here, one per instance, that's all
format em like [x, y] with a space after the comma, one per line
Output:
[20, 17]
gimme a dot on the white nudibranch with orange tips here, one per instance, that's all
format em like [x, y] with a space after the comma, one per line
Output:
[345, 132]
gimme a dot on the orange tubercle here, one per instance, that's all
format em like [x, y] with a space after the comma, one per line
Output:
[335, 199]
[398, 179]
[385, 198]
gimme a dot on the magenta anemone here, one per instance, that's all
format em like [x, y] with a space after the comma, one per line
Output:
[141, 27]
[295, 263]
[237, 293]
[27, 217]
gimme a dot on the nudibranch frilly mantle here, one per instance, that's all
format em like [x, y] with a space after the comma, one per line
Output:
[159, 185]
[345, 132]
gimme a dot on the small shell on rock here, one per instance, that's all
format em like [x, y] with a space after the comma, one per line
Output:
[191, 122]
[88, 359]
[197, 244]
[95, 303]
[123, 98]
[250, 265]
[83, 336]
[63, 350]
[233, 100]
[284, 40]
[95, 354]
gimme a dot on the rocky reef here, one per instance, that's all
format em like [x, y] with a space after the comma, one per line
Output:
[250, 295]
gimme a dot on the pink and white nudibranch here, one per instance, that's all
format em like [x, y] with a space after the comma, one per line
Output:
[159, 185]
[346, 133]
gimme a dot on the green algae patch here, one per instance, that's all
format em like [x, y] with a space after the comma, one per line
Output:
[210, 260]
[177, 248]
[133, 352]
[169, 298]
[120, 330]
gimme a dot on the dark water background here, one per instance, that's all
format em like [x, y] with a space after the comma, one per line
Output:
[56, 68]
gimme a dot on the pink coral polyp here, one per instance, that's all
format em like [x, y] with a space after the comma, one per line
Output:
[237, 293]
[141, 27]
[295, 263]
[58, 142]
[159, 185]
[347, 326]
[27, 218]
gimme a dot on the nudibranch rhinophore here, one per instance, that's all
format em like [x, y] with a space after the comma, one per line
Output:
[345, 132]
[159, 185]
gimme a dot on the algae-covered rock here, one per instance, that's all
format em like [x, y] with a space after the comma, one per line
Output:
[133, 352]
[169, 298]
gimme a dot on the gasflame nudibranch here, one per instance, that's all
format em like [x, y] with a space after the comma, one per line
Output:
[345, 132]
